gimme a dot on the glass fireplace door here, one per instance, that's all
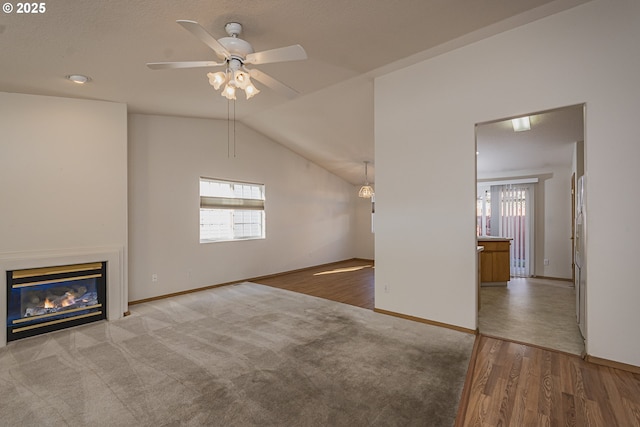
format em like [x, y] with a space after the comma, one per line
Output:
[46, 299]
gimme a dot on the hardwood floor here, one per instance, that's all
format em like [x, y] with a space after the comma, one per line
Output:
[519, 385]
[349, 282]
[509, 384]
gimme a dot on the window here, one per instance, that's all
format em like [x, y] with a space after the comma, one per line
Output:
[231, 211]
[483, 212]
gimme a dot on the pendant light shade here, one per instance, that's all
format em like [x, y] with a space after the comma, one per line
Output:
[366, 191]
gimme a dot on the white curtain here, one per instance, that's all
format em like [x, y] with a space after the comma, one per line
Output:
[514, 204]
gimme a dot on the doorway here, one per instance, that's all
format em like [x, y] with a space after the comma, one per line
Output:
[544, 157]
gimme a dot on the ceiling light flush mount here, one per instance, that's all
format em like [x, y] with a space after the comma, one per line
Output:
[521, 124]
[366, 191]
[78, 78]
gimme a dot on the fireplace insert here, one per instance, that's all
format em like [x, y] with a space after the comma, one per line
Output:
[41, 300]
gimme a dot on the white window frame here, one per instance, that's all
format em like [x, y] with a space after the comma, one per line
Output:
[231, 210]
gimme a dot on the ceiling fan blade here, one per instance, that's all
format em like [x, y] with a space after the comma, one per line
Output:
[197, 30]
[272, 83]
[289, 53]
[183, 64]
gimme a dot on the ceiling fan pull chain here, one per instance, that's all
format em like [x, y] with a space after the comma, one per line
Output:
[231, 118]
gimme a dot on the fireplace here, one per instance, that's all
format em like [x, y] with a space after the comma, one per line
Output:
[46, 299]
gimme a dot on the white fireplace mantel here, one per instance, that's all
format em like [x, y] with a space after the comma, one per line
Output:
[117, 293]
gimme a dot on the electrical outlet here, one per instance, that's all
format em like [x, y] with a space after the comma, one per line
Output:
[387, 288]
[546, 261]
[154, 277]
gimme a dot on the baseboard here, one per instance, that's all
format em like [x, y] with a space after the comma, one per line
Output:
[426, 321]
[613, 364]
[188, 291]
[561, 279]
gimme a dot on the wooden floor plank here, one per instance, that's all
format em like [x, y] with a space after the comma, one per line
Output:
[568, 408]
[522, 391]
[632, 411]
[512, 378]
[580, 398]
[544, 393]
[620, 412]
[557, 414]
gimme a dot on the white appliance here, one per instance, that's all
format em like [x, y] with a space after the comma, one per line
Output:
[581, 256]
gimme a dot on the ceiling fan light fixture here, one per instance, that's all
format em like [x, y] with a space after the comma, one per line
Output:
[216, 79]
[232, 80]
[250, 90]
[229, 92]
[242, 79]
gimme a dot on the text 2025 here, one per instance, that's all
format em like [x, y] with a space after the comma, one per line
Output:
[31, 7]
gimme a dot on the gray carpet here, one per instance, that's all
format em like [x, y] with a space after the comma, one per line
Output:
[243, 355]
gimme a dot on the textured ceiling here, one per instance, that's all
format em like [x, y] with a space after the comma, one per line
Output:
[330, 123]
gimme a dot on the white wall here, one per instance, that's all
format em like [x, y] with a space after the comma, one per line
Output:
[553, 224]
[63, 189]
[63, 173]
[425, 246]
[309, 211]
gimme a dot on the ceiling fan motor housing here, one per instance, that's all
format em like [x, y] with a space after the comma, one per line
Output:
[236, 47]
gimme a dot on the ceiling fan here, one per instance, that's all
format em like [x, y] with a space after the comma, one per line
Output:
[235, 53]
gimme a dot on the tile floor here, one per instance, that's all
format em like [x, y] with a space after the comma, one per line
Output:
[532, 310]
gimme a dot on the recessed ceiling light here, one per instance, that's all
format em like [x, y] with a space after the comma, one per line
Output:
[78, 78]
[521, 124]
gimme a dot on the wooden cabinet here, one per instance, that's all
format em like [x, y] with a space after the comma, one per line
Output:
[494, 260]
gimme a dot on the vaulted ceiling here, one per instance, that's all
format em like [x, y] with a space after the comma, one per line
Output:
[348, 44]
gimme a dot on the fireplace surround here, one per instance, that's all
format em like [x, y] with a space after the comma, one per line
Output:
[115, 292]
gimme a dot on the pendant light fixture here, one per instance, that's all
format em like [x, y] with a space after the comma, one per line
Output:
[366, 191]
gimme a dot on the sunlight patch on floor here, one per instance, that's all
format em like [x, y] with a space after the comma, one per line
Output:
[344, 270]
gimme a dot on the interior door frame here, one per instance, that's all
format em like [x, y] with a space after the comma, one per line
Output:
[573, 228]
